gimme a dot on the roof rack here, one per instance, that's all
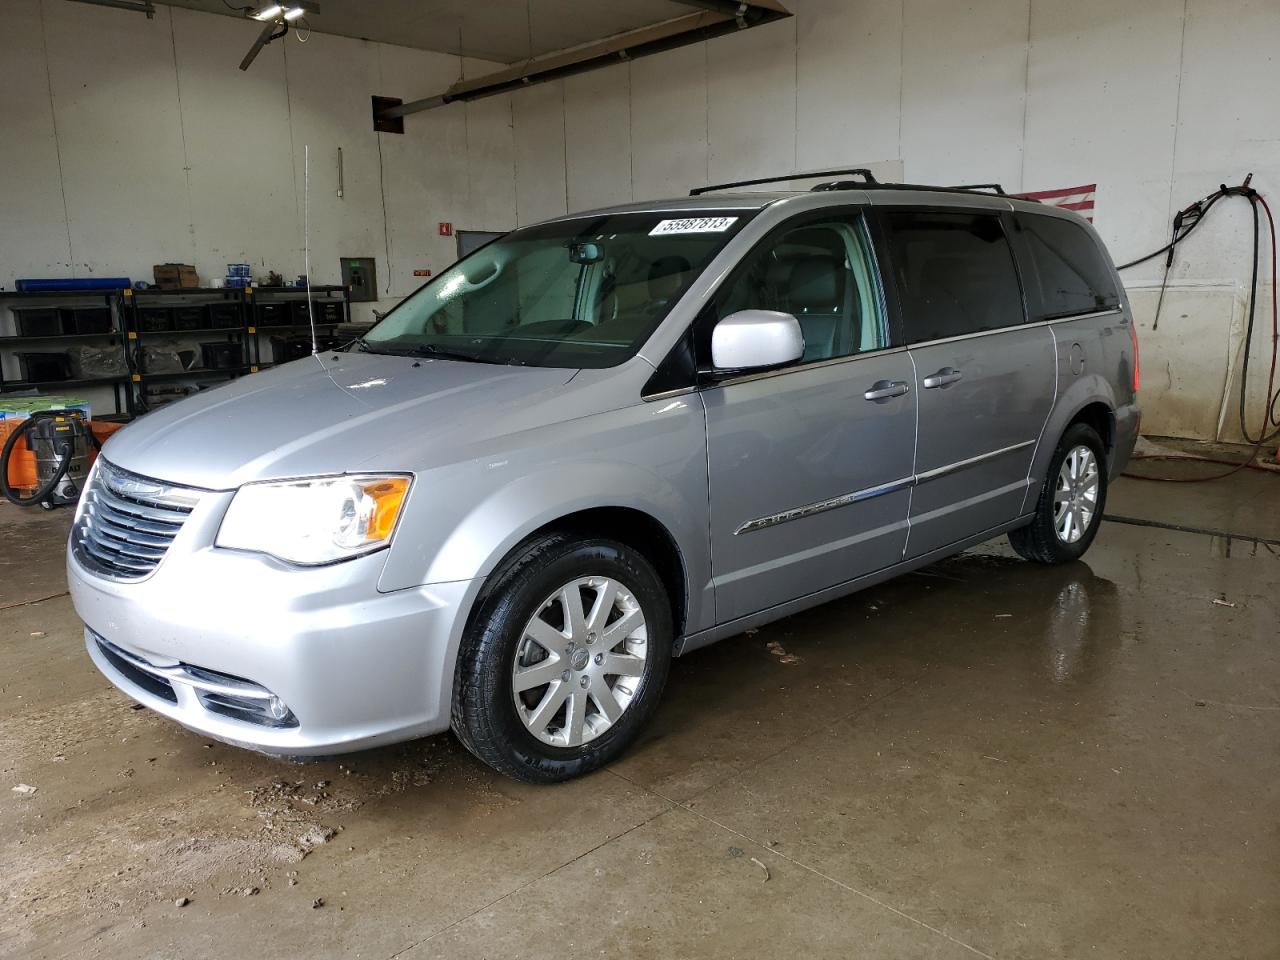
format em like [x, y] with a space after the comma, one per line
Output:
[868, 181]
[867, 178]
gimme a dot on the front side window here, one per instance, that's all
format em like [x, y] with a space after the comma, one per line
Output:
[574, 293]
[822, 274]
[955, 273]
[1071, 274]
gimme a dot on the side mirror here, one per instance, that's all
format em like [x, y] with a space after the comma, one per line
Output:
[756, 340]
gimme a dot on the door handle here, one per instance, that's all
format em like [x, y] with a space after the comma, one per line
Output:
[943, 378]
[885, 390]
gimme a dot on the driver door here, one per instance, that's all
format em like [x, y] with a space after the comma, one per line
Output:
[810, 466]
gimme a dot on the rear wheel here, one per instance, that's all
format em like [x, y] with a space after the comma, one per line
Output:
[1069, 509]
[565, 660]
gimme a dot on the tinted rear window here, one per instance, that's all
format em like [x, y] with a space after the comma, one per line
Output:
[1069, 271]
[955, 273]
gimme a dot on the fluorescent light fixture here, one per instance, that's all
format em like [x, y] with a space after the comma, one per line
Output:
[293, 13]
[269, 12]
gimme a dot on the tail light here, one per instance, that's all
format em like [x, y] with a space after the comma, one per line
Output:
[1133, 335]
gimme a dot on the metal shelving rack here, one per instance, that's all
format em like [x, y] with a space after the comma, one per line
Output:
[230, 329]
[283, 310]
[11, 340]
[257, 312]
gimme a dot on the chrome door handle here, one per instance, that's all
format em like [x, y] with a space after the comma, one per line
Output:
[883, 390]
[943, 378]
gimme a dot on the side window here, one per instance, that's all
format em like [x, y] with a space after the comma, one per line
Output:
[823, 275]
[1070, 272]
[955, 273]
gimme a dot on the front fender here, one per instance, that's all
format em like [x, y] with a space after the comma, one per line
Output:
[463, 519]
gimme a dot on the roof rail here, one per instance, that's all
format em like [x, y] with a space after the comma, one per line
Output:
[980, 187]
[867, 178]
[993, 188]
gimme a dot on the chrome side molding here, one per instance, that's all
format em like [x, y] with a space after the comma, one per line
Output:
[844, 500]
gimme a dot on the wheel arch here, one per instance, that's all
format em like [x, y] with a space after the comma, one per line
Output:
[630, 526]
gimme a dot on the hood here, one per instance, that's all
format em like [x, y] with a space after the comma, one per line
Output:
[331, 414]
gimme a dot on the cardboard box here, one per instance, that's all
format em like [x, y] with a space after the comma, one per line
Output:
[175, 276]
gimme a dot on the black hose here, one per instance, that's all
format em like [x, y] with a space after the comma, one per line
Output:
[1248, 335]
[66, 454]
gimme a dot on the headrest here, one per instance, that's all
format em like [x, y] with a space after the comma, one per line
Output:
[816, 285]
[666, 266]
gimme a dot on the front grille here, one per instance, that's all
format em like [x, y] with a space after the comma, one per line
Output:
[127, 522]
[217, 692]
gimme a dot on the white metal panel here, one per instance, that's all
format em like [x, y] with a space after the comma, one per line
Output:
[964, 77]
[115, 97]
[669, 122]
[597, 122]
[329, 84]
[538, 125]
[491, 177]
[33, 230]
[423, 169]
[231, 189]
[751, 103]
[1101, 108]
[849, 69]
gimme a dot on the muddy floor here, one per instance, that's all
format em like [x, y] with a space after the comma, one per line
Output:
[987, 758]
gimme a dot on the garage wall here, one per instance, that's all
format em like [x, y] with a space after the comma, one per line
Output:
[130, 142]
[1157, 101]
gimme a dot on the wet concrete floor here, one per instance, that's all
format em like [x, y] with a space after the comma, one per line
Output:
[987, 758]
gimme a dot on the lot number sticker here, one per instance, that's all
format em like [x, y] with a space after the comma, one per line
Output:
[694, 225]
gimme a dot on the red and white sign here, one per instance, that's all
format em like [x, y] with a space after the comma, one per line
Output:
[446, 229]
[1079, 199]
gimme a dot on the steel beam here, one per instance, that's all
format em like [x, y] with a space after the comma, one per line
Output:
[641, 42]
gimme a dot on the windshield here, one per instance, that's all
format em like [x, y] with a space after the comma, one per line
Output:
[576, 293]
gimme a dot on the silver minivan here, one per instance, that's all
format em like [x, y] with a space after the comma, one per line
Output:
[596, 444]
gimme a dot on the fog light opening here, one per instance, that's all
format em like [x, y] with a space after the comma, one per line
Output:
[278, 709]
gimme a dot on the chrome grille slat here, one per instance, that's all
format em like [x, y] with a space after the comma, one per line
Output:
[127, 522]
[158, 527]
[128, 548]
[143, 512]
[129, 534]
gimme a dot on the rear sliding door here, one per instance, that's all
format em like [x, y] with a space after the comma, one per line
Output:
[984, 381]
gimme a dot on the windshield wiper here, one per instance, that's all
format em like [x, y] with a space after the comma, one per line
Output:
[443, 353]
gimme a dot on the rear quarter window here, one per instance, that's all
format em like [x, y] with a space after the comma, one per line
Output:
[954, 272]
[1068, 272]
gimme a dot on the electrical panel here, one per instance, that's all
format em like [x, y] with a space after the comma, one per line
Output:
[360, 276]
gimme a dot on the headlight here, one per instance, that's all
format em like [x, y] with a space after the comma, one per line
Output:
[315, 521]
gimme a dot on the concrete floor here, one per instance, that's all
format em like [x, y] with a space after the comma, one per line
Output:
[986, 758]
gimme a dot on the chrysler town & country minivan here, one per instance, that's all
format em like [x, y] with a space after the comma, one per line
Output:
[596, 444]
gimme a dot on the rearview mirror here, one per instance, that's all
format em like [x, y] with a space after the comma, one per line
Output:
[756, 340]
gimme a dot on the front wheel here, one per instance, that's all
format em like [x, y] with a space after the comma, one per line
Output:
[1069, 509]
[565, 660]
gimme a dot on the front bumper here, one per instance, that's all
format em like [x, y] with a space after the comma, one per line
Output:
[356, 668]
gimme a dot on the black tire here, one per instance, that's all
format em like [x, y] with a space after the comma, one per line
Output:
[484, 715]
[1039, 541]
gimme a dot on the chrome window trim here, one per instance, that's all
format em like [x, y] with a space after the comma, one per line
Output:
[800, 368]
[844, 500]
[883, 352]
[1015, 326]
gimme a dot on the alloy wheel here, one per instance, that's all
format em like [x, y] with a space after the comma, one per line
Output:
[1075, 497]
[580, 661]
